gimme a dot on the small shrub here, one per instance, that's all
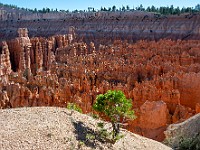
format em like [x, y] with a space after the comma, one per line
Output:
[190, 143]
[73, 106]
[105, 135]
[90, 136]
[80, 144]
[118, 137]
[95, 116]
[100, 125]
[116, 106]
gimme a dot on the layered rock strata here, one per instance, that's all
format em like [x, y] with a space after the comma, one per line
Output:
[103, 27]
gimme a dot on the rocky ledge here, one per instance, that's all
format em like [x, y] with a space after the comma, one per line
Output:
[59, 128]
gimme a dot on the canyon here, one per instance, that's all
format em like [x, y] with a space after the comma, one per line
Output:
[162, 78]
[54, 59]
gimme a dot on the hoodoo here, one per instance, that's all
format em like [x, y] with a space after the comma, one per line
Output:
[53, 58]
[161, 80]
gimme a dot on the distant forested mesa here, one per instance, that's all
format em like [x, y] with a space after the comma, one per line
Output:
[169, 10]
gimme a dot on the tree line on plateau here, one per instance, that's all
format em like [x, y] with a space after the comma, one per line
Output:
[164, 10]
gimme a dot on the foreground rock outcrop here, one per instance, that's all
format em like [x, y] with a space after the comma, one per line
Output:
[58, 129]
[177, 133]
[162, 78]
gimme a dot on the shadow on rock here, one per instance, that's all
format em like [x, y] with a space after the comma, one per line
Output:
[82, 133]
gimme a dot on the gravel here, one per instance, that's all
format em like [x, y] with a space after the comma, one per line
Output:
[43, 128]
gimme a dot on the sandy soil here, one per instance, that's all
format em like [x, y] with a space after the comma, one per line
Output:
[51, 128]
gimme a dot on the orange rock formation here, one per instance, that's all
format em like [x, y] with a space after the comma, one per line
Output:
[162, 78]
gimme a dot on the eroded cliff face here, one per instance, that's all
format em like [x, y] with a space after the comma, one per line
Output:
[103, 27]
[160, 77]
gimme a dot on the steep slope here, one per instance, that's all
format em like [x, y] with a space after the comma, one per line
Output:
[101, 27]
[58, 128]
